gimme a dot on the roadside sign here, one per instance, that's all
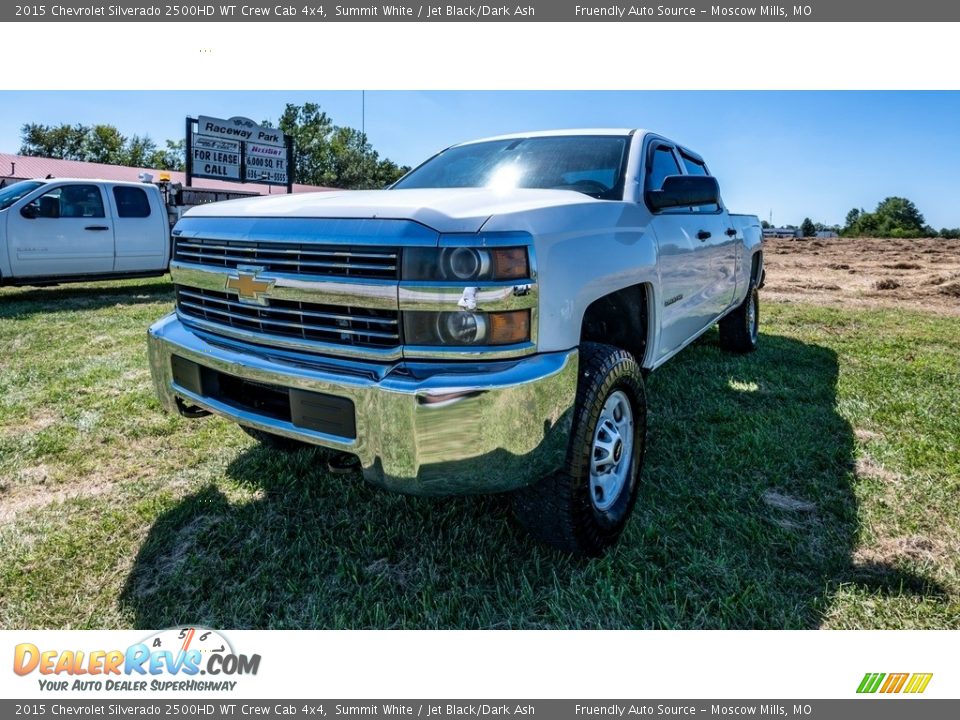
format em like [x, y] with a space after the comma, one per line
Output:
[215, 158]
[238, 150]
[239, 128]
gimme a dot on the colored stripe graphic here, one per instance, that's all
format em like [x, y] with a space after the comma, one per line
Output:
[918, 682]
[870, 682]
[894, 682]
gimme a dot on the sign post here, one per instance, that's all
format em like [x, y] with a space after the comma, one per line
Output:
[238, 150]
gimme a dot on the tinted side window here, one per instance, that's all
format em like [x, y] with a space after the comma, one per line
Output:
[696, 167]
[693, 166]
[132, 202]
[71, 201]
[662, 165]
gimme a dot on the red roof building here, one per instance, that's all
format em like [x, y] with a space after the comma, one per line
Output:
[14, 168]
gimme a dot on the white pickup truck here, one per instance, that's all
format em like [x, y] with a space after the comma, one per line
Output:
[483, 325]
[69, 230]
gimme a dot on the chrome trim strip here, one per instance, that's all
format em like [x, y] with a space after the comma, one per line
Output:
[376, 294]
[488, 297]
[460, 352]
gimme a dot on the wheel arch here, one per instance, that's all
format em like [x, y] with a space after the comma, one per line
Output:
[622, 319]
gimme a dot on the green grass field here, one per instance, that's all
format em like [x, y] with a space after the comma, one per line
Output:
[815, 483]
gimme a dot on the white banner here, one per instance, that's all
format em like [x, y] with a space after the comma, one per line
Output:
[463, 664]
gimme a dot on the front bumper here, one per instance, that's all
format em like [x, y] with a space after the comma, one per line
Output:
[421, 428]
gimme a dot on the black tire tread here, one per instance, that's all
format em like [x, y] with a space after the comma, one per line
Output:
[734, 331]
[553, 509]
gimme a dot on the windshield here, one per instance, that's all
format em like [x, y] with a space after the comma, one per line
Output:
[590, 164]
[10, 194]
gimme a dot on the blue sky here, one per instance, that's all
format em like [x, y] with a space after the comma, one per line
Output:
[792, 153]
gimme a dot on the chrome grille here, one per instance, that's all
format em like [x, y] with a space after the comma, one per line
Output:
[372, 262]
[343, 325]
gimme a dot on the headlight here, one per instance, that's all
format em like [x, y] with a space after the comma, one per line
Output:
[466, 328]
[465, 264]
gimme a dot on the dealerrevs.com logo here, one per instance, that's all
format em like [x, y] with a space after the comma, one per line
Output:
[170, 660]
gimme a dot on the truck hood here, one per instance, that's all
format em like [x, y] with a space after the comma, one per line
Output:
[458, 210]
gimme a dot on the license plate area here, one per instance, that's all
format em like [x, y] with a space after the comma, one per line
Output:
[305, 409]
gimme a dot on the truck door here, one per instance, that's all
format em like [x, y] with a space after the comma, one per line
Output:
[723, 244]
[140, 228]
[684, 256]
[64, 231]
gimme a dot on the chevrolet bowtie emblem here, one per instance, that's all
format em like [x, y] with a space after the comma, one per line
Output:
[249, 288]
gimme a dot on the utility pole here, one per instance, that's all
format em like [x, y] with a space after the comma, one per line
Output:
[363, 111]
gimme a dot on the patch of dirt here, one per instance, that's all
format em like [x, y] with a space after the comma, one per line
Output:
[781, 501]
[818, 286]
[904, 266]
[34, 424]
[864, 435]
[922, 274]
[868, 468]
[914, 548]
[38, 494]
[951, 290]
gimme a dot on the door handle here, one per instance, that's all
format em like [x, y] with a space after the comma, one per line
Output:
[96, 227]
[731, 232]
[703, 235]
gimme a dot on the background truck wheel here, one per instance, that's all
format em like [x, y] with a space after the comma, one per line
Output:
[277, 442]
[583, 508]
[740, 329]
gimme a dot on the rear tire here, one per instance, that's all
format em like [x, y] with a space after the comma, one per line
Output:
[740, 329]
[275, 442]
[583, 508]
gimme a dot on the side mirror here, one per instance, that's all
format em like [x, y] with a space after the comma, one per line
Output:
[31, 211]
[684, 191]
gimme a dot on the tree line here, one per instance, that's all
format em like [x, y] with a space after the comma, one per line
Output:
[324, 153]
[895, 217]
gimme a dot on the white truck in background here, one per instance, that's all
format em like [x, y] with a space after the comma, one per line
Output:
[62, 230]
[484, 325]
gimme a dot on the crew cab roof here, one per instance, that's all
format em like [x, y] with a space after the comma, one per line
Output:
[558, 133]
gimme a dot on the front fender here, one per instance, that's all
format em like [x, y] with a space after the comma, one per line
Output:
[584, 252]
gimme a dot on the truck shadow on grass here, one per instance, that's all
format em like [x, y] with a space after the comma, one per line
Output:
[17, 302]
[746, 519]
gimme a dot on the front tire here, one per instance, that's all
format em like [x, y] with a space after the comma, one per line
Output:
[740, 329]
[583, 508]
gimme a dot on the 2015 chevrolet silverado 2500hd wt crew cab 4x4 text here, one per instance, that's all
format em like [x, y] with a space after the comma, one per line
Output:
[69, 230]
[483, 325]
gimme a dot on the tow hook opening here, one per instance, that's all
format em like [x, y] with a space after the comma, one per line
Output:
[190, 411]
[343, 463]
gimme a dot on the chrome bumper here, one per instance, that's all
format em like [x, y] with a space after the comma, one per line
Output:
[421, 428]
